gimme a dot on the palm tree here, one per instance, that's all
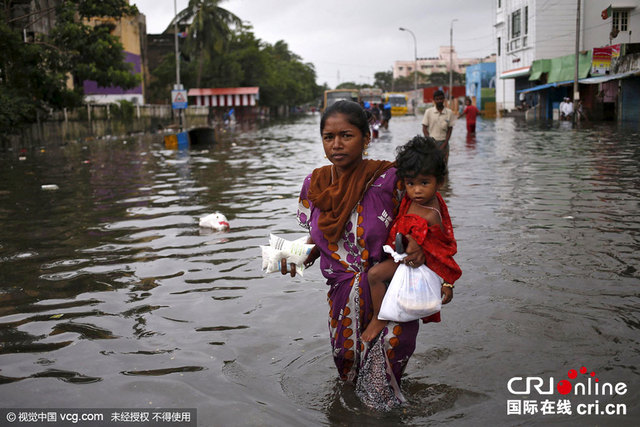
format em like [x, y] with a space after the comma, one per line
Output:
[208, 29]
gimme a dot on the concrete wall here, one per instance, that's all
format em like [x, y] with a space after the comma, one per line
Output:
[101, 121]
[554, 28]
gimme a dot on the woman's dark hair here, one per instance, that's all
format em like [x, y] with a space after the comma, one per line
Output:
[421, 156]
[355, 114]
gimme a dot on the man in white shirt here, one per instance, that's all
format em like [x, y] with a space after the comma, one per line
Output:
[561, 108]
[438, 123]
[568, 109]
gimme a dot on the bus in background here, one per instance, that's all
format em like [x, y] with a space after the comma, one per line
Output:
[334, 95]
[398, 101]
[372, 95]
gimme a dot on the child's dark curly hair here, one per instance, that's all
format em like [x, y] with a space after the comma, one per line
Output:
[421, 156]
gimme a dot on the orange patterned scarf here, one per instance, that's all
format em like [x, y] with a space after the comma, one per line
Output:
[336, 198]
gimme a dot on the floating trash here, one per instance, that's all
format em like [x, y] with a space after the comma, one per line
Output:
[50, 187]
[217, 221]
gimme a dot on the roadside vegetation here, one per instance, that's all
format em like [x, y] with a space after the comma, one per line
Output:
[35, 69]
[219, 50]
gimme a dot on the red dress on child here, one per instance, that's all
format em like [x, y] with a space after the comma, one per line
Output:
[439, 246]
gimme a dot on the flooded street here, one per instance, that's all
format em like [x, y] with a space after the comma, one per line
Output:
[112, 296]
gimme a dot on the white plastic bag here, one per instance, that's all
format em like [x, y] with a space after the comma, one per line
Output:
[295, 252]
[412, 294]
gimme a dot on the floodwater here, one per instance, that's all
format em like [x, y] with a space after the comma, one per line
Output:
[113, 297]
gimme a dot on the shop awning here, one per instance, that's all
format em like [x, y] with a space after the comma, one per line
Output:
[225, 96]
[538, 67]
[606, 78]
[563, 67]
[546, 86]
[587, 81]
[516, 72]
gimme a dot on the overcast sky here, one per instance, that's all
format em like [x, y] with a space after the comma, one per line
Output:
[350, 40]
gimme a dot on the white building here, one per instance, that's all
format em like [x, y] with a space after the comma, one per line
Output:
[527, 30]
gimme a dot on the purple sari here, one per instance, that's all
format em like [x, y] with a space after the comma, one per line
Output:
[345, 266]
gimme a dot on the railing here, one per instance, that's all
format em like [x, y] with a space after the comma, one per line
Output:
[108, 111]
[517, 43]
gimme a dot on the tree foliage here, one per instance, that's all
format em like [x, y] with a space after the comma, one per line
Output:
[209, 31]
[383, 80]
[34, 71]
[243, 60]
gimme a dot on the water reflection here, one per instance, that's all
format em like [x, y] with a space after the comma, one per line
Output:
[110, 286]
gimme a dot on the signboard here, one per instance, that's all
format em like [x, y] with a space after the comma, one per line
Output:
[602, 59]
[178, 99]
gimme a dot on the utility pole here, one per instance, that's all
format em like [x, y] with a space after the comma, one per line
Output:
[451, 62]
[576, 91]
[178, 86]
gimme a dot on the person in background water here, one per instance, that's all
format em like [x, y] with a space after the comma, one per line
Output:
[471, 112]
[348, 207]
[437, 123]
[561, 108]
[386, 114]
[567, 110]
[424, 216]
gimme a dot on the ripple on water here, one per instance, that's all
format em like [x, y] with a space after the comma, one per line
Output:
[111, 277]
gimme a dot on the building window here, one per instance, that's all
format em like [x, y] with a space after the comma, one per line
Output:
[499, 4]
[620, 20]
[499, 46]
[515, 24]
[526, 19]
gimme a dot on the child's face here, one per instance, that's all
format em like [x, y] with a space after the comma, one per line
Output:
[422, 188]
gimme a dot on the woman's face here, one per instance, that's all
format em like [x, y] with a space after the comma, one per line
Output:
[343, 142]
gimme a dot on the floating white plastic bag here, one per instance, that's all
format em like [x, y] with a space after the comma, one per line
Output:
[412, 294]
[295, 252]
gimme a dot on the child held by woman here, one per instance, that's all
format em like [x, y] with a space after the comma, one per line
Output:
[424, 217]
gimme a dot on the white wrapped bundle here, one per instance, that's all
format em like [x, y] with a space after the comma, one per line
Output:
[295, 252]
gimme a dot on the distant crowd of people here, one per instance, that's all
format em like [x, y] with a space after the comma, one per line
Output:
[379, 114]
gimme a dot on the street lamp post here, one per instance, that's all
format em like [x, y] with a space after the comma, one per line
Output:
[415, 67]
[451, 61]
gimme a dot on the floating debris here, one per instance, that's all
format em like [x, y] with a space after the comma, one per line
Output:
[50, 187]
[216, 221]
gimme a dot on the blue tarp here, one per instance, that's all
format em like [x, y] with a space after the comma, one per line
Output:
[546, 86]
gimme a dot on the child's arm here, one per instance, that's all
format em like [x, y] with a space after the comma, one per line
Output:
[430, 215]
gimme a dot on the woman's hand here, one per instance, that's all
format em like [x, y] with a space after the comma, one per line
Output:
[447, 293]
[415, 257]
[283, 268]
[311, 258]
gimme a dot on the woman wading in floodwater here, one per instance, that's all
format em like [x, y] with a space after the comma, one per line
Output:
[348, 207]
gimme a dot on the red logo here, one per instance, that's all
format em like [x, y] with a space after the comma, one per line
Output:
[565, 387]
